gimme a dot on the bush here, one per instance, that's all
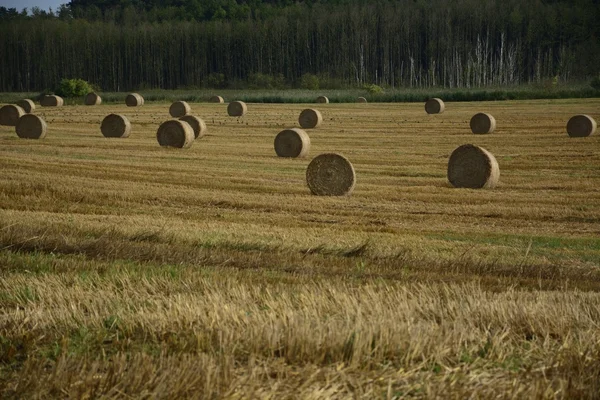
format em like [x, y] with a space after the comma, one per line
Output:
[373, 89]
[215, 81]
[73, 88]
[595, 83]
[309, 81]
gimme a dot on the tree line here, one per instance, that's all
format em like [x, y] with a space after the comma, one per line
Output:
[127, 45]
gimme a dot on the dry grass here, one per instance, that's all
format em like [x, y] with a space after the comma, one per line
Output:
[127, 269]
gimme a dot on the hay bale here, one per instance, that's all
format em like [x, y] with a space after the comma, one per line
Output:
[322, 100]
[217, 99]
[31, 126]
[292, 143]
[115, 126]
[361, 100]
[434, 106]
[27, 105]
[310, 118]
[179, 109]
[175, 133]
[10, 115]
[134, 100]
[581, 126]
[330, 174]
[52, 101]
[473, 167]
[92, 99]
[197, 125]
[482, 123]
[237, 109]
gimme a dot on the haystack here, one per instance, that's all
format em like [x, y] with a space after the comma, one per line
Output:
[310, 118]
[581, 126]
[434, 106]
[10, 115]
[115, 126]
[92, 99]
[361, 100]
[27, 105]
[179, 109]
[52, 101]
[197, 125]
[330, 174]
[292, 143]
[322, 100]
[175, 133]
[134, 100]
[237, 109]
[473, 167]
[482, 123]
[216, 99]
[31, 126]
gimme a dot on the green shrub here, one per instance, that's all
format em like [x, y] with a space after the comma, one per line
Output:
[73, 88]
[595, 83]
[373, 89]
[309, 81]
[215, 81]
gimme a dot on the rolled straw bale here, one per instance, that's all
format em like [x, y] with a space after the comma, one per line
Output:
[27, 105]
[292, 143]
[31, 126]
[92, 99]
[473, 167]
[175, 133]
[322, 100]
[134, 100]
[179, 109]
[482, 123]
[197, 125]
[10, 114]
[361, 100]
[237, 109]
[216, 99]
[434, 106]
[115, 126]
[581, 126]
[330, 174]
[52, 101]
[310, 118]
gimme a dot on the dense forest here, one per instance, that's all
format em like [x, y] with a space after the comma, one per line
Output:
[133, 44]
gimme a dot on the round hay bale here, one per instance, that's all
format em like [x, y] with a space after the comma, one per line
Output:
[197, 125]
[10, 114]
[330, 174]
[292, 143]
[310, 118]
[175, 133]
[31, 126]
[322, 100]
[92, 99]
[434, 106]
[115, 126]
[27, 105]
[217, 99]
[473, 167]
[237, 109]
[179, 109]
[52, 101]
[134, 100]
[361, 100]
[581, 126]
[482, 123]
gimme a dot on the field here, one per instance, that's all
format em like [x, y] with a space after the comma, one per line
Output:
[128, 269]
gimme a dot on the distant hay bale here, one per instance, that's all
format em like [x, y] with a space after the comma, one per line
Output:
[52, 101]
[10, 115]
[473, 167]
[197, 125]
[434, 106]
[134, 100]
[482, 123]
[175, 133]
[27, 105]
[31, 126]
[310, 118]
[216, 99]
[115, 126]
[322, 100]
[292, 143]
[92, 99]
[179, 109]
[237, 109]
[361, 100]
[330, 174]
[581, 126]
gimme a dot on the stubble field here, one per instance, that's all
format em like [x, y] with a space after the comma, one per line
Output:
[128, 269]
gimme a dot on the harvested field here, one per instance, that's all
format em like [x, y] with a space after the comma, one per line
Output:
[126, 267]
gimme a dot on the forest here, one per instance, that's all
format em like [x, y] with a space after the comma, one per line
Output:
[172, 44]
